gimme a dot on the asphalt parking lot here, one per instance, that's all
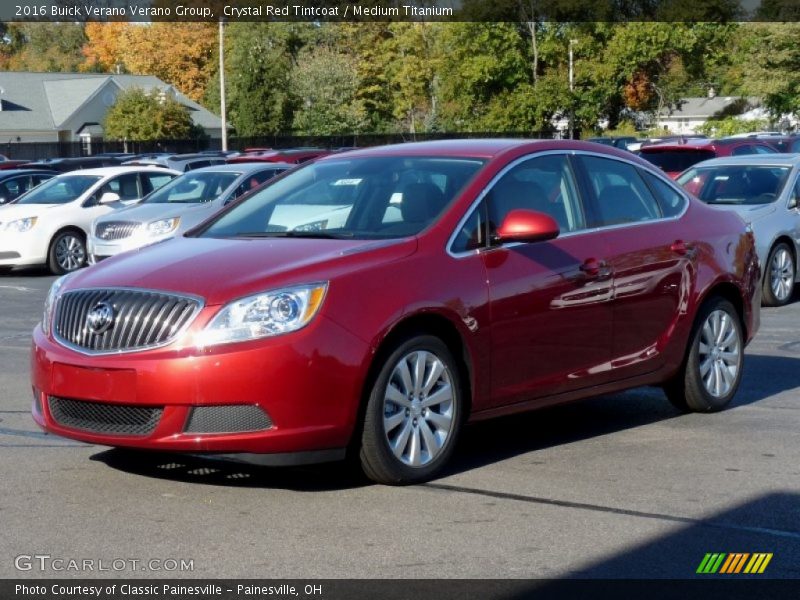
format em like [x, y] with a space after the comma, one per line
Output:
[622, 486]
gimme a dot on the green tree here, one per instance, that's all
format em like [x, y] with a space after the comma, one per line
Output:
[326, 84]
[770, 59]
[259, 58]
[477, 63]
[140, 116]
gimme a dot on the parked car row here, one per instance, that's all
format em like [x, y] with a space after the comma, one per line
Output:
[375, 301]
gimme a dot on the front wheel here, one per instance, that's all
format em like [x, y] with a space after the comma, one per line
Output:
[779, 277]
[67, 253]
[713, 368]
[413, 413]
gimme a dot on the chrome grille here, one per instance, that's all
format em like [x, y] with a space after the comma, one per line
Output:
[116, 230]
[102, 417]
[140, 319]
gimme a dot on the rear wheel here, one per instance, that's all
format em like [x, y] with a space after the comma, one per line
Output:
[713, 367]
[779, 277]
[413, 413]
[67, 252]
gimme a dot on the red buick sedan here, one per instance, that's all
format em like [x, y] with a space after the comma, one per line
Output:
[375, 301]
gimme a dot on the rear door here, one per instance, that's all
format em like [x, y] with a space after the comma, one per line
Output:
[639, 214]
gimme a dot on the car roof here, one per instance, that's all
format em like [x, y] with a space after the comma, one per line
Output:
[13, 172]
[243, 167]
[481, 148]
[107, 171]
[776, 159]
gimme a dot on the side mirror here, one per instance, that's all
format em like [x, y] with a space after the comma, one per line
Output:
[792, 202]
[3, 199]
[108, 198]
[527, 226]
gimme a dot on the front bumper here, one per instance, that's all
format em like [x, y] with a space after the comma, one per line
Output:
[17, 249]
[308, 383]
[98, 249]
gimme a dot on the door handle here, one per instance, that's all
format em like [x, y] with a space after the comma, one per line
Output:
[682, 248]
[595, 269]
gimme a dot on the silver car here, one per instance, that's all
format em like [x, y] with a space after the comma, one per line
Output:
[765, 191]
[186, 201]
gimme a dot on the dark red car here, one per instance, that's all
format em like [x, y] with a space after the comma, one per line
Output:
[376, 300]
[675, 157]
[292, 156]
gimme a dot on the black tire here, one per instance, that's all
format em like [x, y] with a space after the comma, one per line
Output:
[75, 245]
[768, 295]
[688, 390]
[378, 461]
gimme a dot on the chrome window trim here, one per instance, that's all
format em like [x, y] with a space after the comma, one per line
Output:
[199, 306]
[649, 168]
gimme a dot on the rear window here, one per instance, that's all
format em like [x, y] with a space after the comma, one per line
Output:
[192, 188]
[676, 161]
[735, 184]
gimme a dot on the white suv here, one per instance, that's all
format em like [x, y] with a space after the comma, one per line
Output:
[49, 224]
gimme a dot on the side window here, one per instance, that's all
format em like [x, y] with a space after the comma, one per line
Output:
[763, 150]
[742, 150]
[794, 201]
[473, 233]
[11, 188]
[153, 181]
[125, 186]
[37, 179]
[672, 202]
[544, 184]
[621, 195]
[7, 192]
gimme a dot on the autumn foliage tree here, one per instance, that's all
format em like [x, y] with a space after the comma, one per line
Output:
[139, 116]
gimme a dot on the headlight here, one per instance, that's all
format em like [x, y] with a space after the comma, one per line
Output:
[21, 225]
[264, 315]
[163, 226]
[50, 303]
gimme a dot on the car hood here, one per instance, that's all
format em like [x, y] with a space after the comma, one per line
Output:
[146, 213]
[12, 212]
[749, 213]
[221, 270]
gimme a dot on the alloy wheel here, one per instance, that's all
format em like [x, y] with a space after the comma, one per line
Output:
[70, 253]
[781, 274]
[720, 353]
[419, 406]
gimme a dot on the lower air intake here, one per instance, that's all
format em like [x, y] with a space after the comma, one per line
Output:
[235, 418]
[100, 417]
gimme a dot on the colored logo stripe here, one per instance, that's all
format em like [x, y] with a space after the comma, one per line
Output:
[711, 563]
[758, 563]
[734, 562]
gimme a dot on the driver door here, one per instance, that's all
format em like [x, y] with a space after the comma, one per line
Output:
[550, 301]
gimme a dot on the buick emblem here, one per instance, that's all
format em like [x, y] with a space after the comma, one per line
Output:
[100, 318]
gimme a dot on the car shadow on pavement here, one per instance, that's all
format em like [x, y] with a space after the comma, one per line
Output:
[208, 470]
[25, 272]
[481, 444]
[495, 440]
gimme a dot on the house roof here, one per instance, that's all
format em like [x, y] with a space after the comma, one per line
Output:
[44, 101]
[706, 108]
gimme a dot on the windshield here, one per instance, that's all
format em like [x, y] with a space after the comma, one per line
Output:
[59, 190]
[675, 161]
[193, 188]
[359, 198]
[739, 184]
